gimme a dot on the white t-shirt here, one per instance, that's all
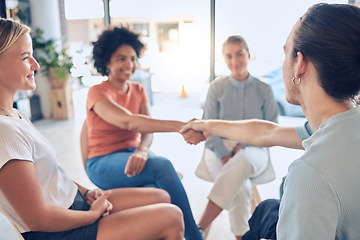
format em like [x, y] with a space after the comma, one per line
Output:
[19, 139]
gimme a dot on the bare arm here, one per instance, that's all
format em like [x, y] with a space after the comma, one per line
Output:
[146, 138]
[253, 132]
[19, 184]
[119, 116]
[137, 161]
[123, 118]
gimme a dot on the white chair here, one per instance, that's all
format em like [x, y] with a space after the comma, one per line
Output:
[7, 229]
[266, 176]
[84, 143]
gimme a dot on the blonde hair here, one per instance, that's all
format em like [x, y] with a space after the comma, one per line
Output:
[10, 31]
[236, 39]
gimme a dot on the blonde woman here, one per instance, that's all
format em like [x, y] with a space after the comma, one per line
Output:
[37, 195]
[231, 164]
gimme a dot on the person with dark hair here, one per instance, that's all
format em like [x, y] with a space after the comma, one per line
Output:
[108, 43]
[38, 196]
[321, 73]
[120, 127]
[232, 163]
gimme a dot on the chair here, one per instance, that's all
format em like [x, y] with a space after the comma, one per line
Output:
[267, 176]
[84, 142]
[8, 230]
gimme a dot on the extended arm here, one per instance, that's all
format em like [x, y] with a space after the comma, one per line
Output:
[146, 138]
[119, 116]
[253, 132]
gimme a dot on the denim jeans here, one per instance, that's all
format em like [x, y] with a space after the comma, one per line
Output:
[107, 172]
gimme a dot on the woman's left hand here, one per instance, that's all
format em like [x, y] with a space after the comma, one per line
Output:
[101, 201]
[93, 195]
[136, 163]
[90, 196]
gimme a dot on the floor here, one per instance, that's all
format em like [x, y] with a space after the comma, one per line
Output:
[64, 135]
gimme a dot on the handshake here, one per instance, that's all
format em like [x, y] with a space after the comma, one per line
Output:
[194, 131]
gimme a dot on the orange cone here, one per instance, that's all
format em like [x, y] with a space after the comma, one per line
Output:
[183, 92]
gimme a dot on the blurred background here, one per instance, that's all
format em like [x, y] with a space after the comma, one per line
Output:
[183, 41]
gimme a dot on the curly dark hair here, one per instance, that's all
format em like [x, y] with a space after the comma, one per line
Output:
[329, 35]
[109, 41]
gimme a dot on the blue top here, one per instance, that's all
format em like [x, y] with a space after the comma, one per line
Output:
[229, 99]
[322, 189]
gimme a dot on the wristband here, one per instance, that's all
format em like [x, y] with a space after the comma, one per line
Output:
[86, 193]
[143, 149]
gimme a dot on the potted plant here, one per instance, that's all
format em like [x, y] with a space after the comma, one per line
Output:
[54, 62]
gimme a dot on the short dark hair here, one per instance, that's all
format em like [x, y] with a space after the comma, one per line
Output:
[110, 40]
[329, 35]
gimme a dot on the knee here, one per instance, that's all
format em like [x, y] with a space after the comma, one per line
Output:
[165, 167]
[163, 196]
[176, 217]
[243, 166]
[157, 162]
[176, 212]
[170, 220]
[166, 164]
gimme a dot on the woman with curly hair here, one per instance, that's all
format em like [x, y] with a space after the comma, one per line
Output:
[120, 127]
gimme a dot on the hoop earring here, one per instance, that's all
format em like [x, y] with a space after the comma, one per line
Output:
[298, 79]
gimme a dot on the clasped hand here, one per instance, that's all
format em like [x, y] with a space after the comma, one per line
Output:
[192, 136]
[226, 158]
[98, 200]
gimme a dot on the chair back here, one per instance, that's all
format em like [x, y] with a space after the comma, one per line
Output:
[84, 143]
[8, 229]
[266, 176]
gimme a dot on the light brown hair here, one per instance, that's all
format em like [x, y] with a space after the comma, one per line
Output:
[10, 31]
[236, 39]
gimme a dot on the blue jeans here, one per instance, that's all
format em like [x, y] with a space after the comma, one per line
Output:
[107, 172]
